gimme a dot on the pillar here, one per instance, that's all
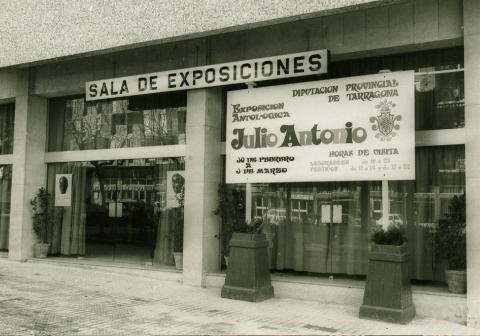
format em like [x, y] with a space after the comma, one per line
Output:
[29, 170]
[202, 177]
[471, 13]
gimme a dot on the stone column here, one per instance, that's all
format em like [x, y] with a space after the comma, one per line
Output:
[29, 169]
[202, 176]
[471, 13]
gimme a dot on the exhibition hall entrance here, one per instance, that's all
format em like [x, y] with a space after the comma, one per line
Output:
[317, 227]
[119, 211]
[122, 230]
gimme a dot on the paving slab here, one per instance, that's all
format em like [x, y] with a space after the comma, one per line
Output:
[42, 298]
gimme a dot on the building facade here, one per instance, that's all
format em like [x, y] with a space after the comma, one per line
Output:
[116, 161]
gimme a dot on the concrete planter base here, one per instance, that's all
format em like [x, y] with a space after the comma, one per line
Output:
[388, 294]
[247, 294]
[388, 314]
[457, 281]
[178, 257]
[40, 250]
[248, 274]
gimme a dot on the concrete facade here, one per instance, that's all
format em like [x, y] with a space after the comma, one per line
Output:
[371, 28]
[366, 32]
[46, 30]
[203, 175]
[28, 167]
[472, 148]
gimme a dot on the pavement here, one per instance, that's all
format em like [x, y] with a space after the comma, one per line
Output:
[44, 298]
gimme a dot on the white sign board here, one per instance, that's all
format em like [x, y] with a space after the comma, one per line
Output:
[175, 188]
[337, 213]
[347, 129]
[268, 68]
[326, 213]
[63, 190]
[115, 209]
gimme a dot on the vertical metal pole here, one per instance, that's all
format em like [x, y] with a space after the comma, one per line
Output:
[248, 186]
[385, 204]
[248, 202]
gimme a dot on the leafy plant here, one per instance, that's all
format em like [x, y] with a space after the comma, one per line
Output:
[450, 236]
[255, 226]
[178, 229]
[42, 214]
[231, 209]
[393, 235]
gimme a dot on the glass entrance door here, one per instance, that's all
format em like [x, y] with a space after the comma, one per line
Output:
[123, 229]
[119, 210]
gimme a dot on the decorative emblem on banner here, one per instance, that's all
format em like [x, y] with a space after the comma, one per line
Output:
[385, 122]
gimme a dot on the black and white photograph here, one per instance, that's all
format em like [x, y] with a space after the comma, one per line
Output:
[239, 167]
[175, 188]
[63, 190]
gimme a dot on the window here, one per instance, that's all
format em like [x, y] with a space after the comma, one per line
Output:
[303, 237]
[7, 119]
[119, 211]
[5, 192]
[300, 228]
[150, 120]
[439, 100]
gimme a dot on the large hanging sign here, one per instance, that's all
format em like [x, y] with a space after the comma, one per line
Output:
[347, 129]
[268, 68]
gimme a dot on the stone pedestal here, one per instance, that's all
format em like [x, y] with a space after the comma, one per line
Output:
[248, 274]
[388, 294]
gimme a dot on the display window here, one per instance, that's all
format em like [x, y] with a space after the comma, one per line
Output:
[325, 228]
[7, 122]
[439, 100]
[122, 211]
[151, 120]
[439, 84]
[5, 192]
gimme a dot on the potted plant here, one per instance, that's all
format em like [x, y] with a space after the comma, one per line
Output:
[178, 239]
[388, 294]
[231, 209]
[248, 273]
[178, 230]
[451, 243]
[42, 220]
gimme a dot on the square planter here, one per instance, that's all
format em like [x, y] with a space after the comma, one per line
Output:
[40, 250]
[248, 273]
[178, 257]
[457, 281]
[388, 294]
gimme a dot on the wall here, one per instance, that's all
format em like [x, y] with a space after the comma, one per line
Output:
[7, 84]
[43, 29]
[399, 27]
[472, 149]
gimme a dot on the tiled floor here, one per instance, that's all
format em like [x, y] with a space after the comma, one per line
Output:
[41, 298]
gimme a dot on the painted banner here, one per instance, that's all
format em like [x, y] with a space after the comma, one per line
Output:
[346, 129]
[268, 68]
[63, 190]
[175, 188]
